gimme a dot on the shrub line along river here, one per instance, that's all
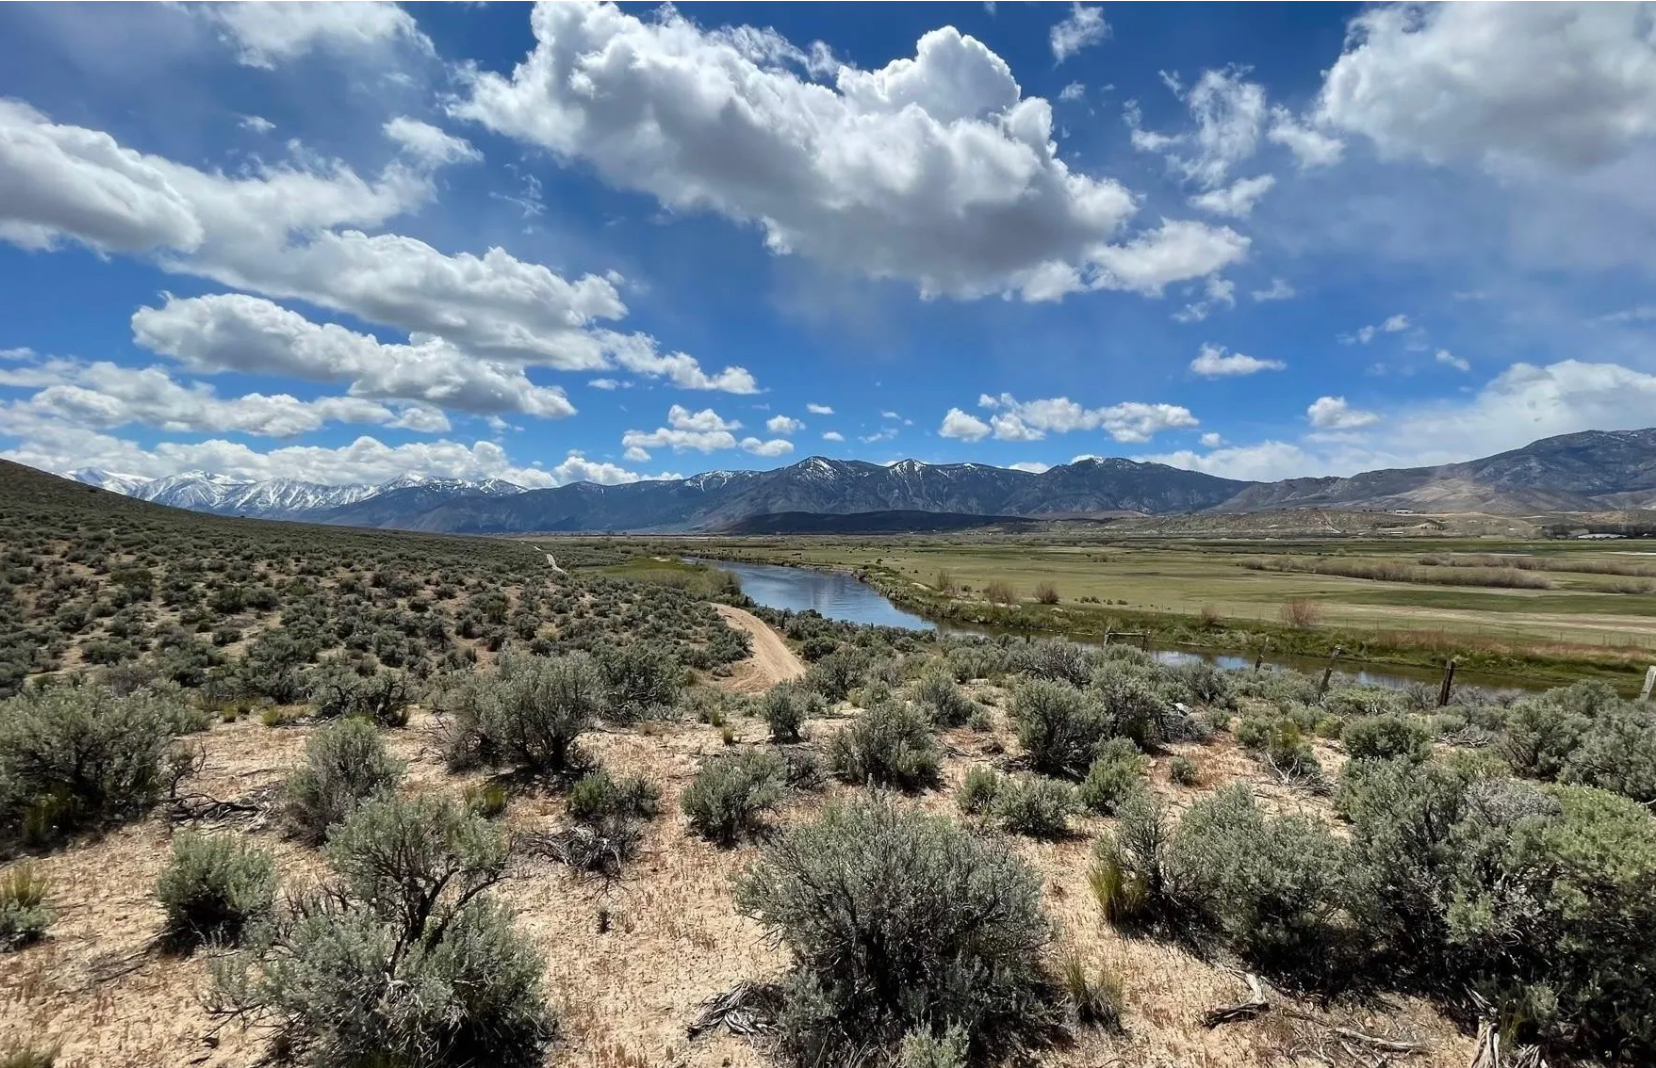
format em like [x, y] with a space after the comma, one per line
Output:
[841, 595]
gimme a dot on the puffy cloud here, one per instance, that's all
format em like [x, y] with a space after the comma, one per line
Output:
[1279, 289]
[1212, 440]
[703, 431]
[1034, 467]
[63, 447]
[428, 144]
[783, 424]
[1083, 28]
[1236, 199]
[1568, 86]
[257, 123]
[66, 180]
[283, 231]
[819, 409]
[1134, 421]
[1333, 413]
[1444, 356]
[1213, 362]
[265, 34]
[933, 169]
[1395, 324]
[235, 332]
[1524, 403]
[577, 468]
[1072, 92]
[833, 435]
[104, 396]
[637, 353]
[774, 447]
[963, 426]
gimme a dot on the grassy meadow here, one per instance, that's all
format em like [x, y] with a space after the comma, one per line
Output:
[1542, 610]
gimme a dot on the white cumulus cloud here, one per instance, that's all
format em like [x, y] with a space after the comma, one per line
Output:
[1333, 413]
[1213, 362]
[933, 169]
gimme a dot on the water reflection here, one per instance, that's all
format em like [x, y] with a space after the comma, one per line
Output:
[838, 595]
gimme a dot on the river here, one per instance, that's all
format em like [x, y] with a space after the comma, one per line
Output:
[839, 595]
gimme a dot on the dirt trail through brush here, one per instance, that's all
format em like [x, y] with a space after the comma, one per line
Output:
[772, 661]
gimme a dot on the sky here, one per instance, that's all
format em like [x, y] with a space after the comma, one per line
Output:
[351, 242]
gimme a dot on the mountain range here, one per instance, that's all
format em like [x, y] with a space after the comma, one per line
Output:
[1589, 471]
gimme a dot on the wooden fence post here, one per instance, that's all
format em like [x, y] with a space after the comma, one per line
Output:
[1650, 680]
[1328, 672]
[1448, 682]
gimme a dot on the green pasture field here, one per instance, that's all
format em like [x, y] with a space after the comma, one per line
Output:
[1204, 593]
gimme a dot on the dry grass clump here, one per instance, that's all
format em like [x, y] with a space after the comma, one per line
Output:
[1301, 613]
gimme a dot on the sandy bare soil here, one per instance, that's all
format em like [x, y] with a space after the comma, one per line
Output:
[772, 661]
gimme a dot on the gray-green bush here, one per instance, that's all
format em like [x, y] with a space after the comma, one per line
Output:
[786, 707]
[732, 791]
[345, 764]
[939, 694]
[214, 889]
[1265, 884]
[75, 755]
[888, 745]
[24, 912]
[899, 920]
[1059, 726]
[1116, 774]
[403, 960]
[1390, 736]
[1035, 806]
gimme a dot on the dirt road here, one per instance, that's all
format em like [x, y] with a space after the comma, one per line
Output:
[772, 661]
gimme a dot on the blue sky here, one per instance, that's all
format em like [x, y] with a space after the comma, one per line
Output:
[349, 242]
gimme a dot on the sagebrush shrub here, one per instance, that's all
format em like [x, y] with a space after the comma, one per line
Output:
[786, 707]
[1035, 806]
[1115, 775]
[889, 745]
[1131, 701]
[1264, 884]
[1393, 735]
[382, 697]
[1059, 726]
[537, 708]
[597, 795]
[939, 694]
[977, 794]
[1056, 660]
[1618, 753]
[1280, 742]
[1128, 875]
[24, 914]
[214, 889]
[834, 676]
[900, 920]
[923, 1048]
[403, 960]
[345, 764]
[732, 791]
[641, 676]
[74, 755]
[1541, 733]
[1182, 771]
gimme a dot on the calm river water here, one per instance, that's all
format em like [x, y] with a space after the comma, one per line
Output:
[838, 595]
